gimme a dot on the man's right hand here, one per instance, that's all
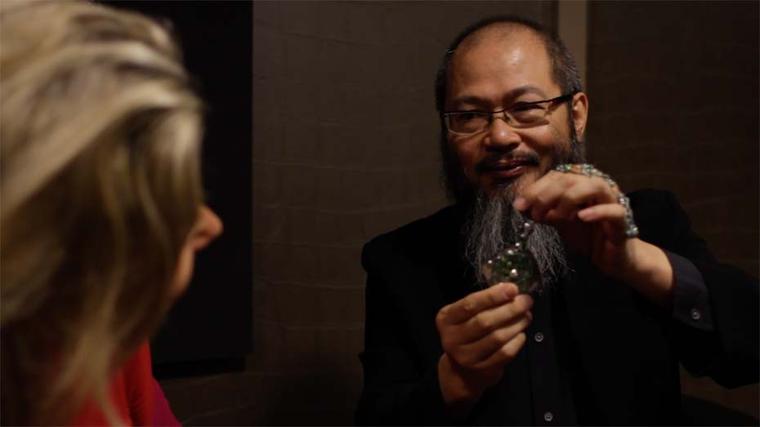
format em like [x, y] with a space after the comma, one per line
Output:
[480, 334]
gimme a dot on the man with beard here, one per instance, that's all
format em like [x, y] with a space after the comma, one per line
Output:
[619, 303]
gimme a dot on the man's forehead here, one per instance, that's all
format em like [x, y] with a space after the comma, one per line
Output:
[500, 31]
[497, 61]
[503, 37]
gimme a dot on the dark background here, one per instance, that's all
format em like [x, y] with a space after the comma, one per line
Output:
[209, 329]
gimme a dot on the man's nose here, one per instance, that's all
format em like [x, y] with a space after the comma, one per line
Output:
[500, 134]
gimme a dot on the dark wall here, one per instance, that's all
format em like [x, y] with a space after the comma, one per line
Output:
[209, 329]
[673, 89]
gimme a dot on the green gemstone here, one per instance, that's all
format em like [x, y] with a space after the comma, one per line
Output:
[518, 266]
[515, 264]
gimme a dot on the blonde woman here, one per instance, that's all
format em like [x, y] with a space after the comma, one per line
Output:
[101, 206]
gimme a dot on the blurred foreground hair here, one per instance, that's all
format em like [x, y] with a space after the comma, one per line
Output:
[99, 160]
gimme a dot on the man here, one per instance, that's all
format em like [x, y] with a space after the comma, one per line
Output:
[619, 303]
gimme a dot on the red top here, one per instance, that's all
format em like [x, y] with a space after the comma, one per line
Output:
[135, 395]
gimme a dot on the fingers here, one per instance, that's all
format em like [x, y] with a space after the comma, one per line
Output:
[613, 214]
[604, 212]
[505, 354]
[488, 321]
[578, 195]
[558, 196]
[475, 353]
[475, 303]
[476, 339]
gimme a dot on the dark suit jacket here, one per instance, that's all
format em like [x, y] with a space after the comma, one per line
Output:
[619, 352]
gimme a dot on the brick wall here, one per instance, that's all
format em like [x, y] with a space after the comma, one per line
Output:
[673, 89]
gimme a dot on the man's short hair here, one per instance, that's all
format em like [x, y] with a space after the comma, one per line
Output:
[564, 69]
[564, 73]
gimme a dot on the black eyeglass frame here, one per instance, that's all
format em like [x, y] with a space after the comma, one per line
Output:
[505, 111]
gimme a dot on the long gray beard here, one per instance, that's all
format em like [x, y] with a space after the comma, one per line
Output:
[493, 223]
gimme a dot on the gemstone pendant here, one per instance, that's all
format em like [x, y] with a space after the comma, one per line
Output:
[515, 264]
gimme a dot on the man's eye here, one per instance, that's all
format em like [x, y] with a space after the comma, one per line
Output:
[527, 113]
[526, 107]
[468, 121]
[469, 115]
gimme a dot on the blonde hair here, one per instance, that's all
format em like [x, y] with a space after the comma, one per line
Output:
[99, 140]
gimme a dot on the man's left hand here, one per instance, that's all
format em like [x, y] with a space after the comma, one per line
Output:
[586, 212]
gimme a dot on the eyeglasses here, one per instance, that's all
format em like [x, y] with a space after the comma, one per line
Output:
[519, 115]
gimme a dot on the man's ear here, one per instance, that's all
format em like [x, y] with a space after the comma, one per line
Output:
[579, 113]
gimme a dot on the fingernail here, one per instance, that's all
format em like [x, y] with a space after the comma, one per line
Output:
[515, 290]
[528, 301]
[511, 290]
[585, 214]
[520, 203]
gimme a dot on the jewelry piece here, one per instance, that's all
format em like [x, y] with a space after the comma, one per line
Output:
[586, 169]
[515, 264]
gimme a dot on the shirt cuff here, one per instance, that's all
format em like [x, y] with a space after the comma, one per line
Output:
[691, 305]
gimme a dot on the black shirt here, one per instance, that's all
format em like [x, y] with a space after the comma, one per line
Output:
[598, 353]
